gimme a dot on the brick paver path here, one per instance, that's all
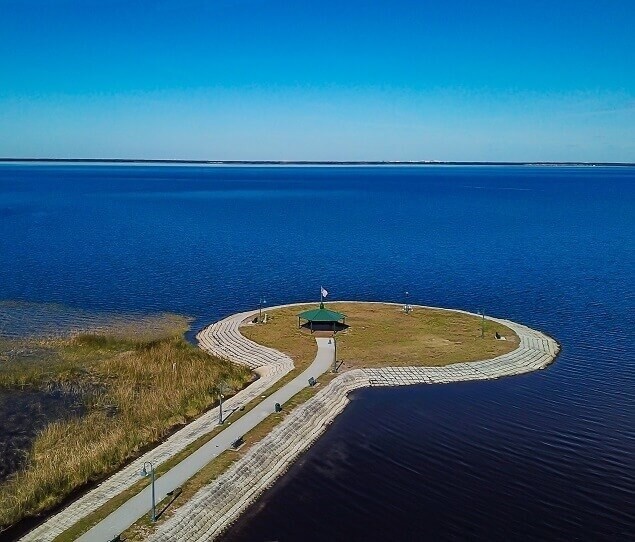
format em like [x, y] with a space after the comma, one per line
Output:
[213, 508]
[218, 504]
[221, 338]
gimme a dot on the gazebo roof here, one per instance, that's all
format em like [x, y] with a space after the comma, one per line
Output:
[322, 315]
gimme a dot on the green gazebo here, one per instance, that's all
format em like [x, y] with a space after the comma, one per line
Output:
[323, 319]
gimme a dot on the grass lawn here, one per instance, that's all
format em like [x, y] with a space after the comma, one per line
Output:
[379, 335]
[382, 335]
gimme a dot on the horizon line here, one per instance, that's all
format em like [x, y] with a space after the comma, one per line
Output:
[312, 162]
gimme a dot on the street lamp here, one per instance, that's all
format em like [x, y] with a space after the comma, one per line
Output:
[334, 355]
[221, 388]
[482, 313]
[261, 302]
[150, 472]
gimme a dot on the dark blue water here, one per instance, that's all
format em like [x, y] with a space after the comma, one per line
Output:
[549, 456]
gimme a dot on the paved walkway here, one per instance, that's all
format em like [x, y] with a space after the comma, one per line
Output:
[133, 509]
[214, 507]
[221, 338]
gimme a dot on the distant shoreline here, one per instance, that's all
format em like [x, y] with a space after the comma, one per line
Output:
[124, 161]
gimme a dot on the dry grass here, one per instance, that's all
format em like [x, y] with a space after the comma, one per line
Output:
[136, 393]
[203, 477]
[383, 335]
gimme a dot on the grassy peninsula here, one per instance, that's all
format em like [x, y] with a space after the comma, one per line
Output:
[136, 389]
[382, 334]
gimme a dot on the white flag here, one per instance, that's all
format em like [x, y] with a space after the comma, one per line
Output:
[323, 291]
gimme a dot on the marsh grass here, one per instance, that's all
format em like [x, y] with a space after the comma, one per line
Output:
[136, 391]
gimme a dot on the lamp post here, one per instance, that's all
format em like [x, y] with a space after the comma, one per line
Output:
[407, 305]
[221, 387]
[261, 302]
[335, 355]
[150, 472]
[482, 312]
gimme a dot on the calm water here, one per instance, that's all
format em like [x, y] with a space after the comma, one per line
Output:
[545, 456]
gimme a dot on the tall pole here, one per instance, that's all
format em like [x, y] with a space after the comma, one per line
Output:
[154, 506]
[261, 302]
[335, 355]
[482, 323]
[145, 472]
[220, 405]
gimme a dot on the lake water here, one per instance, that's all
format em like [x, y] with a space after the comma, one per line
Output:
[548, 456]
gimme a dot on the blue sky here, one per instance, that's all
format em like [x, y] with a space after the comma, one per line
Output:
[345, 80]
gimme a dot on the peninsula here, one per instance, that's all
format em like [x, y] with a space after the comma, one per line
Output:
[302, 386]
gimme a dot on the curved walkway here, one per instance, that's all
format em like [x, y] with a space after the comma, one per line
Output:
[138, 505]
[220, 503]
[222, 339]
[216, 506]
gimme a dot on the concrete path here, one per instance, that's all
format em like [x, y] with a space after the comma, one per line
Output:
[221, 338]
[224, 339]
[214, 507]
[140, 504]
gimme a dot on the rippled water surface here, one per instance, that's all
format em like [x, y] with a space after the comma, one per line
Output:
[548, 456]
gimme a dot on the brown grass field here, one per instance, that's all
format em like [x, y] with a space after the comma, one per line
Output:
[383, 335]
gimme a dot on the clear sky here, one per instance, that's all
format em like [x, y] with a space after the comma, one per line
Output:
[324, 80]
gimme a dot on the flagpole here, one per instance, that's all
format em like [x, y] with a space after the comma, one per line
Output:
[323, 294]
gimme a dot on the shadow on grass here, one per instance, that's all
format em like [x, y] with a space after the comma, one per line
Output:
[333, 327]
[173, 496]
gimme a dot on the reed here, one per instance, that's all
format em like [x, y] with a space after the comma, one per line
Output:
[136, 392]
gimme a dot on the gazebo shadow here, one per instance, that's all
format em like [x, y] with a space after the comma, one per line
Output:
[325, 326]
